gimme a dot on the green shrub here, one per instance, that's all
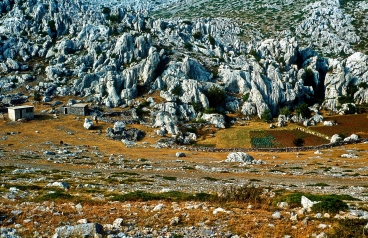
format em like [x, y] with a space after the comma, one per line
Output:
[294, 199]
[245, 97]
[37, 96]
[114, 18]
[56, 195]
[209, 110]
[255, 55]
[363, 85]
[216, 96]
[197, 107]
[168, 196]
[298, 142]
[211, 39]
[309, 78]
[285, 111]
[266, 115]
[52, 25]
[303, 110]
[197, 35]
[106, 10]
[188, 46]
[330, 205]
[169, 178]
[210, 178]
[177, 90]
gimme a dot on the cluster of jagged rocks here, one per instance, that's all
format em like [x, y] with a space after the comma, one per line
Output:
[110, 56]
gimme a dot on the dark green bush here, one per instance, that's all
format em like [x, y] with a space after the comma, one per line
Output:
[216, 96]
[188, 46]
[255, 55]
[330, 205]
[52, 25]
[363, 85]
[303, 110]
[298, 142]
[177, 90]
[309, 78]
[197, 107]
[37, 96]
[106, 10]
[285, 111]
[197, 35]
[209, 110]
[266, 116]
[245, 97]
[211, 39]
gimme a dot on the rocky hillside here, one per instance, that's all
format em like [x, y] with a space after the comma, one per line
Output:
[198, 67]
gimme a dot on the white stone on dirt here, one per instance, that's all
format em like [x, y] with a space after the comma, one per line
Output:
[88, 124]
[239, 157]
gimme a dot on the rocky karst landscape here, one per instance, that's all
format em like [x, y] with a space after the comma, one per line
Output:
[206, 118]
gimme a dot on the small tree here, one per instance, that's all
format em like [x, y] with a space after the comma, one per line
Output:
[37, 96]
[298, 142]
[303, 110]
[246, 97]
[285, 111]
[216, 96]
[177, 90]
[266, 115]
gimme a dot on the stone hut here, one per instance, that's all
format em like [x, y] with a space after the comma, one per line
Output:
[20, 112]
[79, 109]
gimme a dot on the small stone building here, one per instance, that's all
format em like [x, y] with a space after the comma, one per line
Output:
[19, 112]
[79, 109]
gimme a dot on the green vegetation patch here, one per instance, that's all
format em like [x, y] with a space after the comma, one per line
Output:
[332, 203]
[262, 139]
[168, 196]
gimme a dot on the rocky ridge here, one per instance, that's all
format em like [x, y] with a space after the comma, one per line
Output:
[110, 56]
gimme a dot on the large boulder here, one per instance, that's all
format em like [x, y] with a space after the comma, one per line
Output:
[239, 157]
[335, 138]
[88, 124]
[216, 119]
[82, 230]
[166, 122]
[62, 184]
[353, 137]
[119, 126]
[131, 134]
[9, 233]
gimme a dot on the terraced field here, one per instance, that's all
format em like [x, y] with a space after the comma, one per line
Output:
[347, 125]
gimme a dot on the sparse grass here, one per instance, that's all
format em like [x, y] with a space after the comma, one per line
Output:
[346, 228]
[54, 195]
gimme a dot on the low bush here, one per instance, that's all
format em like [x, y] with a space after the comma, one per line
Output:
[216, 96]
[266, 116]
[330, 205]
[294, 199]
[188, 46]
[298, 142]
[177, 90]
